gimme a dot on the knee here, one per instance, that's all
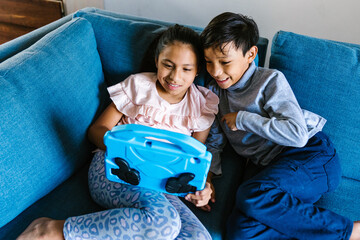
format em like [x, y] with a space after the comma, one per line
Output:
[252, 197]
[166, 224]
[245, 195]
[174, 221]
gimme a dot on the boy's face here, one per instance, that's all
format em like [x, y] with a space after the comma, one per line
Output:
[229, 65]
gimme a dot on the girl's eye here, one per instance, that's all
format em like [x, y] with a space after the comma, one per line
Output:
[224, 63]
[167, 65]
[187, 69]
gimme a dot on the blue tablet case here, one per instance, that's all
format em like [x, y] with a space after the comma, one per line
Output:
[158, 159]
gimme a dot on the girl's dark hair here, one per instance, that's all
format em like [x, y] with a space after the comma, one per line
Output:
[172, 34]
[178, 33]
[230, 27]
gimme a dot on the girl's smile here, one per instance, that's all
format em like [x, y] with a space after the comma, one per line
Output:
[173, 86]
[177, 68]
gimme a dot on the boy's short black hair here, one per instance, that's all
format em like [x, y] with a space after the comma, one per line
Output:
[230, 27]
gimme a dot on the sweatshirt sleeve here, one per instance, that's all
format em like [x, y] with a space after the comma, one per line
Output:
[215, 144]
[282, 120]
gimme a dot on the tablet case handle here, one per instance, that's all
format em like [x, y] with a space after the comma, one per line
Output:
[184, 142]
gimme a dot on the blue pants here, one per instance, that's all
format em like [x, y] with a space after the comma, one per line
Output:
[278, 202]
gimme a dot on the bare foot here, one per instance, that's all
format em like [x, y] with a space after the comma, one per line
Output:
[355, 235]
[44, 229]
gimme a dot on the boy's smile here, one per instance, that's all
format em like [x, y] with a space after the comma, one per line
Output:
[227, 64]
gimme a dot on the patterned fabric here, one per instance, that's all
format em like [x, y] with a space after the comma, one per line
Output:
[133, 212]
[191, 227]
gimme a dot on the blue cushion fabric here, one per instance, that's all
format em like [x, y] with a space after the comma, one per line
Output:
[123, 43]
[344, 200]
[262, 43]
[325, 78]
[49, 96]
[71, 198]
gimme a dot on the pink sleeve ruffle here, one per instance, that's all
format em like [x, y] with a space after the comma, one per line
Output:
[205, 102]
[136, 97]
[131, 96]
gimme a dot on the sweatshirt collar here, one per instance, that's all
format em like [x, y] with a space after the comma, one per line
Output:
[245, 78]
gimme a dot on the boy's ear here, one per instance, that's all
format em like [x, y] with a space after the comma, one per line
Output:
[156, 63]
[252, 54]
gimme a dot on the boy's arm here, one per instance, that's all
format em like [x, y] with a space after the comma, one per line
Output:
[215, 144]
[282, 122]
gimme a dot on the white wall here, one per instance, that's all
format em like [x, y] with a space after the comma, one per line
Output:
[71, 6]
[330, 19]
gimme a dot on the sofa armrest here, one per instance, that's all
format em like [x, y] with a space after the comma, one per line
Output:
[16, 45]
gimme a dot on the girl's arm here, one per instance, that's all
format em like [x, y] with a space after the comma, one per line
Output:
[201, 136]
[202, 198]
[106, 121]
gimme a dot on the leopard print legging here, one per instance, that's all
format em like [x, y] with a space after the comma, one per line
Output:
[133, 213]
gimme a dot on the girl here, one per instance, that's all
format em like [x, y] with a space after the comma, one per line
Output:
[168, 100]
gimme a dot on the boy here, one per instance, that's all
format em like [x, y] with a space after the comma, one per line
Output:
[262, 120]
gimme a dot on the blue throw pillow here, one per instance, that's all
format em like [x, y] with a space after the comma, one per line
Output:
[49, 94]
[325, 76]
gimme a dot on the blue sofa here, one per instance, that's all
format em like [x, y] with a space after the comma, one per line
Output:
[53, 85]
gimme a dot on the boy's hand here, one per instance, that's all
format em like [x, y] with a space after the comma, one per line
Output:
[200, 198]
[230, 120]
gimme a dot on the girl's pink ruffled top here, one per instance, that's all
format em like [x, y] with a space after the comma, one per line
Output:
[137, 98]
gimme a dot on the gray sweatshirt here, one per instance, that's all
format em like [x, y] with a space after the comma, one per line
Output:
[268, 118]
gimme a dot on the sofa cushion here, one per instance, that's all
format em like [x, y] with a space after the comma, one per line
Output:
[325, 78]
[49, 94]
[123, 42]
[71, 198]
[344, 200]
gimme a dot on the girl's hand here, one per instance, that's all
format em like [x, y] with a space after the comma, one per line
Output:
[207, 207]
[200, 198]
[230, 120]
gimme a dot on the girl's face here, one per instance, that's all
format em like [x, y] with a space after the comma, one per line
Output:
[176, 71]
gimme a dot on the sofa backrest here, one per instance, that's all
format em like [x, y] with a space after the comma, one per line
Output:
[123, 41]
[325, 76]
[49, 94]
